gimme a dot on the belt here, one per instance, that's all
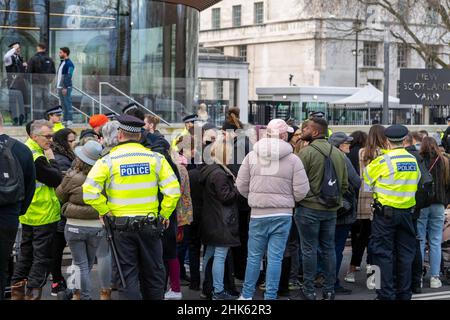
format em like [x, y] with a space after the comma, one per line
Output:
[135, 224]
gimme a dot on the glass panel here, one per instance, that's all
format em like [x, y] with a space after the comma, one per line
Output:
[146, 50]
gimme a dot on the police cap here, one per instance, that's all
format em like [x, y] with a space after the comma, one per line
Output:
[190, 118]
[396, 133]
[13, 44]
[55, 110]
[448, 119]
[111, 115]
[130, 123]
[317, 114]
[129, 107]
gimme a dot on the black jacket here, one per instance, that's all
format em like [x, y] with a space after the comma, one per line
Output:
[219, 220]
[441, 189]
[446, 140]
[196, 192]
[9, 215]
[63, 161]
[354, 157]
[43, 68]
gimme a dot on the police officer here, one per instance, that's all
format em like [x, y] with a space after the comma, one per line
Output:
[15, 69]
[54, 116]
[132, 175]
[189, 122]
[394, 177]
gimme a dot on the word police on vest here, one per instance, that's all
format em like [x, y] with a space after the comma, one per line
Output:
[406, 167]
[137, 169]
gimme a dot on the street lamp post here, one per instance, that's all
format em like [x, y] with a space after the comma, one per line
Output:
[387, 47]
[356, 59]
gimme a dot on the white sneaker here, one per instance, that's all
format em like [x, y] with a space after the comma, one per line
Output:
[242, 298]
[435, 283]
[171, 295]
[350, 277]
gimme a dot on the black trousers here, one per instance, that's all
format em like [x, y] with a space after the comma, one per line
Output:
[240, 253]
[417, 268]
[360, 234]
[35, 255]
[141, 259]
[59, 244]
[7, 238]
[393, 248]
[195, 245]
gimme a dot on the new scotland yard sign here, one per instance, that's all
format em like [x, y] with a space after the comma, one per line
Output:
[425, 86]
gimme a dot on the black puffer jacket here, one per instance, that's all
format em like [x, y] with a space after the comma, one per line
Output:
[219, 222]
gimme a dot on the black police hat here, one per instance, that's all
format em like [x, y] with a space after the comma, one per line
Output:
[190, 118]
[448, 119]
[88, 132]
[111, 115]
[130, 123]
[55, 110]
[129, 107]
[317, 114]
[13, 44]
[396, 133]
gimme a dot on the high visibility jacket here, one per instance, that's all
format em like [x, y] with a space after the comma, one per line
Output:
[132, 175]
[174, 146]
[394, 177]
[44, 208]
[57, 126]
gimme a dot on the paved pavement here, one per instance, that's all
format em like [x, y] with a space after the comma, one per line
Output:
[359, 289]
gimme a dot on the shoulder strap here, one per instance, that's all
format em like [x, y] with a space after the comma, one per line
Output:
[436, 161]
[331, 150]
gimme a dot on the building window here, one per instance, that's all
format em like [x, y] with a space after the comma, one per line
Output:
[219, 89]
[402, 56]
[370, 54]
[376, 83]
[243, 52]
[216, 18]
[237, 16]
[220, 49]
[259, 12]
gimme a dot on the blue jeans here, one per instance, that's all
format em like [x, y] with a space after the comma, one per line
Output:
[269, 234]
[341, 236]
[317, 229]
[83, 243]
[66, 103]
[218, 267]
[431, 222]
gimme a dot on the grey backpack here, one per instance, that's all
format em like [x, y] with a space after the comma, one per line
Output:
[12, 188]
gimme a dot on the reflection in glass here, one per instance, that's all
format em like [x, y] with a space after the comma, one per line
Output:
[146, 49]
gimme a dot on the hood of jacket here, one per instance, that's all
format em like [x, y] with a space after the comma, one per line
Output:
[270, 149]
[156, 142]
[205, 171]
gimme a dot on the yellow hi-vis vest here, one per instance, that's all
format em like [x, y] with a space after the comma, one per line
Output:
[394, 177]
[44, 208]
[58, 126]
[173, 145]
[132, 175]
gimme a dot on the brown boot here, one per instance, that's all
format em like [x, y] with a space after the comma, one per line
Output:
[18, 290]
[76, 295]
[105, 294]
[33, 294]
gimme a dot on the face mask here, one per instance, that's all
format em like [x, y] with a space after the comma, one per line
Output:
[417, 146]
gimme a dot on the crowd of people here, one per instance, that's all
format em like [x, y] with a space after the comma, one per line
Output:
[237, 198]
[39, 73]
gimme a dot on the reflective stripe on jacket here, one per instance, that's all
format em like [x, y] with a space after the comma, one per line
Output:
[45, 207]
[132, 175]
[394, 177]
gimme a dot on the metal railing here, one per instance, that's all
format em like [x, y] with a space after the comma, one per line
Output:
[94, 101]
[129, 98]
[74, 108]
